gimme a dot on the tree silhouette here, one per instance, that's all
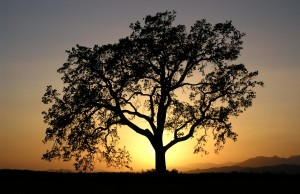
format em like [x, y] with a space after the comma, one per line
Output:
[174, 81]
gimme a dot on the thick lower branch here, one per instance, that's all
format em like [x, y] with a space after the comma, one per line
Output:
[185, 137]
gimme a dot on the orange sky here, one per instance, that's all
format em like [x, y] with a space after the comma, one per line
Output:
[35, 34]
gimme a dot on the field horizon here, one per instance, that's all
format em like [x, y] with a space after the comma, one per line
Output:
[28, 181]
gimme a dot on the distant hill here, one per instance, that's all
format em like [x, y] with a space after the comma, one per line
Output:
[260, 164]
[278, 169]
[193, 166]
[269, 161]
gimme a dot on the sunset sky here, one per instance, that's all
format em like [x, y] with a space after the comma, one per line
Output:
[34, 35]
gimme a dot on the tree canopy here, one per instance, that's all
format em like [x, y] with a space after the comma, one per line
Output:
[175, 80]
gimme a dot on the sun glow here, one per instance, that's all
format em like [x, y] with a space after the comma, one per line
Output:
[143, 154]
[141, 150]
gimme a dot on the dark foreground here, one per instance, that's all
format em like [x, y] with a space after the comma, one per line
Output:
[23, 182]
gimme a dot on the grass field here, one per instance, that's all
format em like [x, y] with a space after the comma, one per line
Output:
[23, 182]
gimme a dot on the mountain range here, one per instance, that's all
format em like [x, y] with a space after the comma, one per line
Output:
[259, 164]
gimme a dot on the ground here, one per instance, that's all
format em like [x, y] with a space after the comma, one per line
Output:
[23, 182]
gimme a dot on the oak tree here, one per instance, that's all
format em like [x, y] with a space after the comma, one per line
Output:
[175, 80]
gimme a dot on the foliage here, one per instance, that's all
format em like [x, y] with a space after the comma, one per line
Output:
[175, 81]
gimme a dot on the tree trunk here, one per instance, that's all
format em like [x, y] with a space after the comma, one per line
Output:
[160, 160]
